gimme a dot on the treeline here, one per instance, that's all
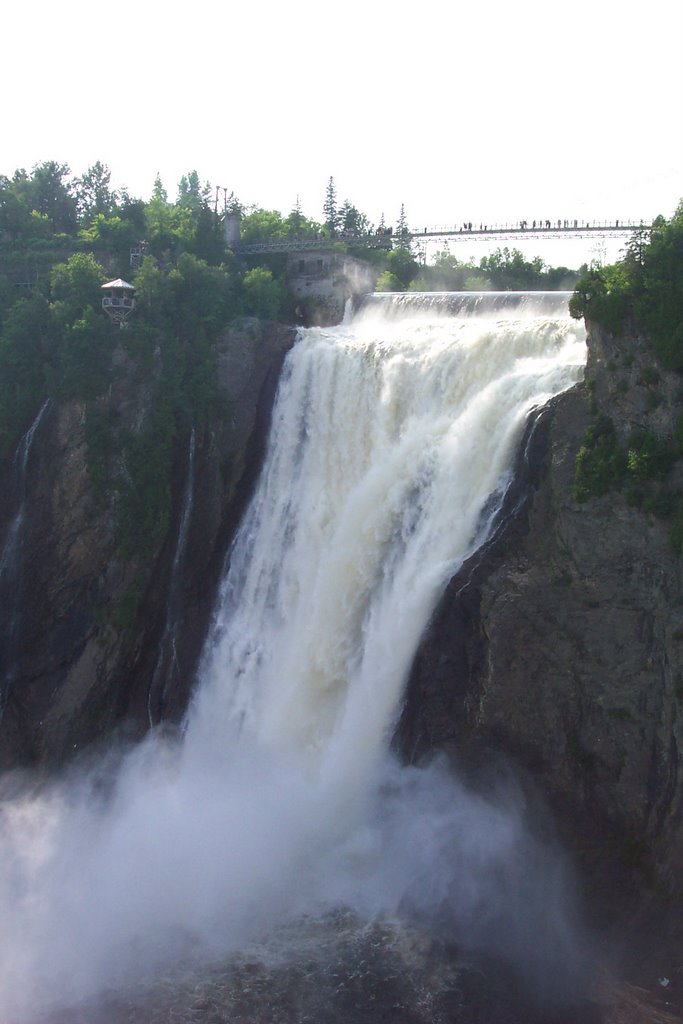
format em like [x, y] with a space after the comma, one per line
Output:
[62, 236]
[503, 270]
[50, 206]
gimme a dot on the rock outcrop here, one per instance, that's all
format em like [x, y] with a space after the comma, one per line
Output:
[97, 641]
[560, 645]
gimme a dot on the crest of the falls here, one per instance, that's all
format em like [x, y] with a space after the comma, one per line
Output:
[391, 442]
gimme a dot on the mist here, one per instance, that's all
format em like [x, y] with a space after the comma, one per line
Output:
[108, 879]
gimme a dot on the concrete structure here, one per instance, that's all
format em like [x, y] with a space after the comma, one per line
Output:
[231, 229]
[324, 281]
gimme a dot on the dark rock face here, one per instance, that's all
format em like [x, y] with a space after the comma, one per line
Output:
[89, 630]
[560, 645]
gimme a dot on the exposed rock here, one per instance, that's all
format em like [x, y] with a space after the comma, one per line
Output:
[561, 644]
[88, 626]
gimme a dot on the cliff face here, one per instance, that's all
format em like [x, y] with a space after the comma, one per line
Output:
[561, 644]
[96, 640]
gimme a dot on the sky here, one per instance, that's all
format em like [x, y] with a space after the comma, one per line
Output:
[488, 111]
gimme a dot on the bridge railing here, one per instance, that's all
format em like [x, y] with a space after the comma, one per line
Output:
[544, 229]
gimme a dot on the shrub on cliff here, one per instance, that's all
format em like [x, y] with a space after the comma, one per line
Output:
[600, 462]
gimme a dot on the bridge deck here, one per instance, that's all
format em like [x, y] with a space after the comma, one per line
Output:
[501, 232]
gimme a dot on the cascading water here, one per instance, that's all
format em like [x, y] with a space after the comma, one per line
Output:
[280, 832]
[10, 557]
[166, 669]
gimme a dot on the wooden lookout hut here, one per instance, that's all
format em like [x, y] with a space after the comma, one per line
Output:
[118, 300]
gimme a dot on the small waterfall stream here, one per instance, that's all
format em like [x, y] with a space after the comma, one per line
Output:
[10, 557]
[278, 860]
[166, 668]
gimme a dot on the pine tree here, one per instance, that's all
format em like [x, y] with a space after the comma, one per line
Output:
[295, 217]
[403, 231]
[330, 213]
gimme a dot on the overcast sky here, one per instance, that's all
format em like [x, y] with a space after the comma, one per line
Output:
[490, 111]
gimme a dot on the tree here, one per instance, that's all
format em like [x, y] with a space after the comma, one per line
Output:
[262, 226]
[84, 356]
[201, 296]
[111, 233]
[159, 193]
[352, 221]
[161, 220]
[26, 348]
[402, 235]
[262, 294]
[93, 194]
[388, 282]
[132, 211]
[52, 195]
[15, 215]
[295, 217]
[76, 286]
[510, 271]
[192, 195]
[403, 266]
[330, 213]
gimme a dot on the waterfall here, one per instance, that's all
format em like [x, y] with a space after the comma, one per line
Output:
[10, 557]
[281, 816]
[387, 445]
[166, 668]
[8, 554]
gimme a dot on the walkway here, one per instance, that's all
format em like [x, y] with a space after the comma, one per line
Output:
[501, 232]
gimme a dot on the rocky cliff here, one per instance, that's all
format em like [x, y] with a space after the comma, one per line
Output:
[98, 640]
[560, 646]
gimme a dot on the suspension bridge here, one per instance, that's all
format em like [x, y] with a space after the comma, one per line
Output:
[467, 231]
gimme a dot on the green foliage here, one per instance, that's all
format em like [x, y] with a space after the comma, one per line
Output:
[110, 232]
[647, 456]
[639, 466]
[600, 462]
[388, 282]
[647, 283]
[263, 295]
[402, 235]
[84, 357]
[199, 296]
[263, 226]
[503, 270]
[603, 295]
[330, 212]
[27, 345]
[94, 197]
[508, 270]
[352, 222]
[76, 286]
[402, 266]
[659, 296]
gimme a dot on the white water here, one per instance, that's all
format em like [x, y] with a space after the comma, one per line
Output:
[389, 438]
